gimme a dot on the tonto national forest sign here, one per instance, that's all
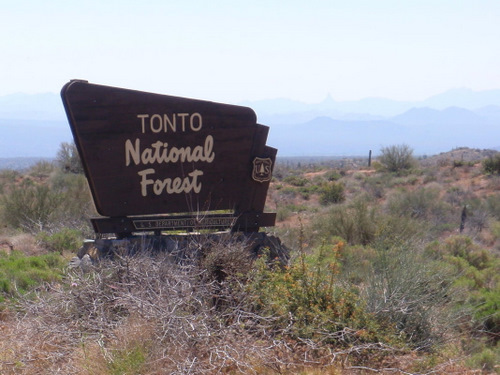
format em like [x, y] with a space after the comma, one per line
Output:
[148, 156]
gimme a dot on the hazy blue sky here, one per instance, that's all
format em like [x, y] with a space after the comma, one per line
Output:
[233, 50]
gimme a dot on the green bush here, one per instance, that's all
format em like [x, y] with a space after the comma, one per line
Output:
[306, 191]
[477, 276]
[288, 192]
[486, 360]
[283, 213]
[492, 164]
[356, 263]
[396, 158]
[76, 205]
[42, 169]
[63, 201]
[128, 361]
[65, 239]
[30, 206]
[376, 185]
[495, 229]
[422, 204]
[19, 273]
[493, 205]
[332, 192]
[332, 176]
[308, 298]
[296, 180]
[487, 313]
[355, 223]
[403, 289]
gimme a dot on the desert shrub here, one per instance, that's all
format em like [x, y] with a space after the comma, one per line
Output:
[356, 263]
[493, 205]
[288, 192]
[62, 201]
[332, 175]
[464, 247]
[422, 204]
[492, 164]
[358, 176]
[377, 166]
[416, 204]
[30, 206]
[406, 291]
[495, 229]
[42, 169]
[412, 180]
[430, 176]
[7, 178]
[68, 158]
[224, 261]
[487, 312]
[127, 361]
[462, 163]
[8, 175]
[476, 213]
[283, 213]
[355, 223]
[478, 218]
[76, 205]
[306, 191]
[487, 360]
[457, 196]
[19, 273]
[296, 180]
[64, 240]
[376, 185]
[308, 298]
[297, 207]
[332, 192]
[396, 158]
[477, 275]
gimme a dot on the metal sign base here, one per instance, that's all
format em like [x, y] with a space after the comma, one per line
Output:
[125, 226]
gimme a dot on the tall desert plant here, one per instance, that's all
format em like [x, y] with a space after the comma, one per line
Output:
[30, 206]
[68, 158]
[397, 157]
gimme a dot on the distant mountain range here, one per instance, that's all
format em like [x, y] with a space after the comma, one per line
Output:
[427, 131]
[456, 118]
[35, 125]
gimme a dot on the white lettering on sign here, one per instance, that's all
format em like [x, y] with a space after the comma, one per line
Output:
[175, 185]
[181, 122]
[160, 152]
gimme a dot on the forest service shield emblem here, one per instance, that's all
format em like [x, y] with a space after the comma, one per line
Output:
[262, 168]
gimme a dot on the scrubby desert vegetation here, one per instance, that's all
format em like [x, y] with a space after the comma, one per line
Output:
[394, 268]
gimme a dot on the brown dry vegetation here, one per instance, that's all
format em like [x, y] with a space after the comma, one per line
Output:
[151, 315]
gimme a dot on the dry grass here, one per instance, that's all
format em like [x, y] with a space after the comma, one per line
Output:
[27, 244]
[149, 315]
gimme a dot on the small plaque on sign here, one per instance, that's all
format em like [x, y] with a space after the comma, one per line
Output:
[186, 223]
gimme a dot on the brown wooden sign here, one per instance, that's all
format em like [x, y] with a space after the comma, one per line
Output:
[150, 154]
